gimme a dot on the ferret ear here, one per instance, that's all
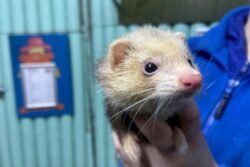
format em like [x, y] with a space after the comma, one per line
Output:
[181, 35]
[118, 51]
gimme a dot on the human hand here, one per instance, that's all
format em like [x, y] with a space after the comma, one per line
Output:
[161, 136]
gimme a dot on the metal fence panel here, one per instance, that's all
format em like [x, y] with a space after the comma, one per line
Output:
[53, 141]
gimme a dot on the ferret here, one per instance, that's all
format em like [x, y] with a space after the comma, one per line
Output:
[147, 72]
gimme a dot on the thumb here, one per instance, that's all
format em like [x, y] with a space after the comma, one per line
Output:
[157, 132]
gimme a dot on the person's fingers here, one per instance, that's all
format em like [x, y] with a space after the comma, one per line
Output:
[117, 143]
[119, 149]
[189, 121]
[121, 153]
[158, 133]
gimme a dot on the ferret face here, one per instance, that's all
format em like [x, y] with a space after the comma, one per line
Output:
[149, 64]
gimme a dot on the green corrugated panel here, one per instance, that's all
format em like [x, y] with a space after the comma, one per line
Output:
[4, 141]
[97, 13]
[16, 11]
[103, 13]
[27, 22]
[109, 36]
[42, 137]
[45, 13]
[181, 27]
[5, 26]
[81, 129]
[98, 105]
[13, 126]
[54, 141]
[165, 26]
[120, 31]
[133, 27]
[105, 153]
[196, 26]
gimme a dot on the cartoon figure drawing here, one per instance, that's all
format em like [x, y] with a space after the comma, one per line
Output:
[38, 73]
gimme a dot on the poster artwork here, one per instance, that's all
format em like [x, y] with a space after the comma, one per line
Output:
[39, 79]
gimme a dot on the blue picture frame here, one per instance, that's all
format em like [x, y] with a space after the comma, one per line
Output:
[42, 49]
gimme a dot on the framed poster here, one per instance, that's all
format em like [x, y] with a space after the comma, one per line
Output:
[39, 85]
[42, 75]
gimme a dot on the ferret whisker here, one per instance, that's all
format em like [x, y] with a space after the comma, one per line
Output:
[127, 108]
[161, 104]
[205, 63]
[143, 101]
[209, 85]
[98, 88]
[153, 116]
[99, 85]
[116, 116]
[146, 123]
[173, 98]
[193, 55]
[124, 119]
[166, 90]
[204, 93]
[206, 88]
[148, 98]
[99, 91]
[131, 95]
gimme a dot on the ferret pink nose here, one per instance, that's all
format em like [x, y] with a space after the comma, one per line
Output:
[191, 81]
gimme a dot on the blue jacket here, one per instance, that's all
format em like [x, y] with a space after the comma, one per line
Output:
[224, 102]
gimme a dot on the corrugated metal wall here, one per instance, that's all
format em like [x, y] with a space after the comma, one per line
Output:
[62, 141]
[53, 141]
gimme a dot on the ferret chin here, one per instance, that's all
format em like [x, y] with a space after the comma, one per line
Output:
[147, 72]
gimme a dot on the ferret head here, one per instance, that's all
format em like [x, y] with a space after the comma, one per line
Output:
[148, 64]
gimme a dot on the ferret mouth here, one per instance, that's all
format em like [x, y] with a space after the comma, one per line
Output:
[176, 99]
[180, 94]
[181, 97]
[185, 95]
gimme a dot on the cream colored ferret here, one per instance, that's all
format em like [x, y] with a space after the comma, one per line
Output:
[148, 72]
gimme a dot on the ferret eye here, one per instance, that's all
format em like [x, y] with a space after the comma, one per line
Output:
[150, 68]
